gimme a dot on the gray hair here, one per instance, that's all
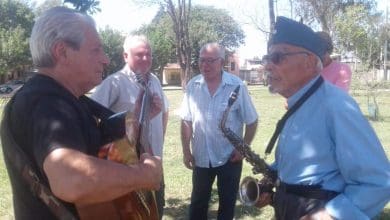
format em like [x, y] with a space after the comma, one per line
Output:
[55, 25]
[132, 39]
[214, 45]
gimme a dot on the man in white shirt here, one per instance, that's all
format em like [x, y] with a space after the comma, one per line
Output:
[120, 91]
[205, 148]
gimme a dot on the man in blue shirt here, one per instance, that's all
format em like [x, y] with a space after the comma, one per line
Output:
[205, 149]
[329, 161]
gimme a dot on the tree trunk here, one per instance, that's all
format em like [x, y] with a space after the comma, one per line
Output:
[180, 19]
[271, 17]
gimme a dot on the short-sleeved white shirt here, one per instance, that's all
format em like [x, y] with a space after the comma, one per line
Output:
[119, 93]
[209, 145]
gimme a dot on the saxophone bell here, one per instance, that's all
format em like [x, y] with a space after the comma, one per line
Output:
[250, 189]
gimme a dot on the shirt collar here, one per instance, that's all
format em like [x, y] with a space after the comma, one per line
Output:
[226, 80]
[294, 98]
[126, 70]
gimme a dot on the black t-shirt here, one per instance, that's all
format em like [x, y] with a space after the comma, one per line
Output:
[43, 117]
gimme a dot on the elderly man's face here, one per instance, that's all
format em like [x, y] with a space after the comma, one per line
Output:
[289, 68]
[210, 64]
[85, 65]
[139, 58]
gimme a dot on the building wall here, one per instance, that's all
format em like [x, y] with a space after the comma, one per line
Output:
[171, 74]
[232, 64]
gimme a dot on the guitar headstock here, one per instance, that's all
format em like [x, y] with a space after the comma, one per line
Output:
[142, 79]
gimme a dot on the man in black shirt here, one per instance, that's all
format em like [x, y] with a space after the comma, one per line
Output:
[57, 131]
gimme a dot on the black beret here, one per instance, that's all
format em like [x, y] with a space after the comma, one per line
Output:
[297, 34]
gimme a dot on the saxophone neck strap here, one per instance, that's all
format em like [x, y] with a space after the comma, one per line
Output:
[282, 121]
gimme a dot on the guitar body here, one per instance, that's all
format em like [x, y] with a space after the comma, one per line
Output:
[130, 206]
[136, 205]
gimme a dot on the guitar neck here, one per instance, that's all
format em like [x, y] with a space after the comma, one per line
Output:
[144, 122]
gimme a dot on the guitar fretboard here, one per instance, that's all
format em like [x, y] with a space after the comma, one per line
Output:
[144, 114]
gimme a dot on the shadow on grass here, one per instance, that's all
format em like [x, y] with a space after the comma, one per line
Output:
[176, 208]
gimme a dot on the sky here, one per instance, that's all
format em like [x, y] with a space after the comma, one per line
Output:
[125, 16]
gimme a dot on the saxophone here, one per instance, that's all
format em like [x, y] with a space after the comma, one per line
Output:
[250, 188]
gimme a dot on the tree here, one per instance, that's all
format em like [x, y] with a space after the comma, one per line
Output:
[358, 30]
[86, 6]
[162, 42]
[47, 4]
[207, 24]
[271, 15]
[324, 12]
[15, 26]
[179, 14]
[113, 46]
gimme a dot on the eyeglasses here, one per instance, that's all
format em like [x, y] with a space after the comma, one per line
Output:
[208, 60]
[277, 57]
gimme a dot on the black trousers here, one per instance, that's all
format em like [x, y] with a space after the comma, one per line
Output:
[160, 198]
[228, 180]
[290, 206]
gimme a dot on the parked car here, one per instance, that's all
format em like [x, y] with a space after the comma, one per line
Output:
[11, 86]
[5, 89]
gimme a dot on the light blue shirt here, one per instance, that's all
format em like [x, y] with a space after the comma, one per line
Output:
[208, 143]
[328, 141]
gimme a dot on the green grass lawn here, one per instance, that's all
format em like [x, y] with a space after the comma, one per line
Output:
[178, 178]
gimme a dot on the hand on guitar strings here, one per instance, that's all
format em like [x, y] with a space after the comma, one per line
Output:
[151, 166]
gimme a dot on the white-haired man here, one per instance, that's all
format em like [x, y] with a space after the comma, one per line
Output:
[206, 151]
[50, 123]
[120, 91]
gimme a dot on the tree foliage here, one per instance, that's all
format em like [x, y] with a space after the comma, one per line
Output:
[324, 12]
[358, 30]
[86, 6]
[47, 4]
[15, 26]
[113, 46]
[355, 25]
[179, 14]
[161, 39]
[207, 24]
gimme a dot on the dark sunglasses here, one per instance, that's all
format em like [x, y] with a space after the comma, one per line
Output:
[277, 57]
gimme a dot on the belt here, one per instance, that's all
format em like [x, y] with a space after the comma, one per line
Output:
[307, 191]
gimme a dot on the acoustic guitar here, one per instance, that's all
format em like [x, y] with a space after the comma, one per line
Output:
[136, 205]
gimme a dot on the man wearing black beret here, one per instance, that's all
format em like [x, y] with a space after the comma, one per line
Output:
[329, 161]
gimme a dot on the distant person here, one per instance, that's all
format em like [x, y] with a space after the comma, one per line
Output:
[49, 120]
[206, 151]
[329, 162]
[335, 72]
[120, 91]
